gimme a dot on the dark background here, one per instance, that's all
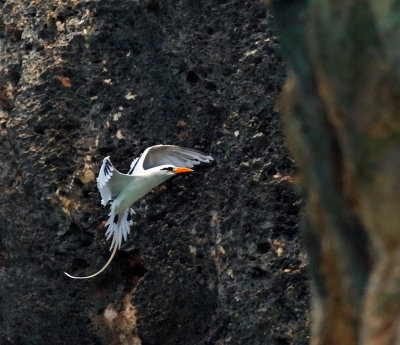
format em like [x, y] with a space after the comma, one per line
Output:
[214, 257]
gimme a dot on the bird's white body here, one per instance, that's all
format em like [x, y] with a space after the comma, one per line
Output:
[137, 188]
[155, 165]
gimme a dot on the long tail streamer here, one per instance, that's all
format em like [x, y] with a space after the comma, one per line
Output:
[118, 228]
[97, 273]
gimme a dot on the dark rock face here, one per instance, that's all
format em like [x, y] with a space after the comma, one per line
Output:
[214, 257]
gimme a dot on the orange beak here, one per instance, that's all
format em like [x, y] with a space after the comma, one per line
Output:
[182, 170]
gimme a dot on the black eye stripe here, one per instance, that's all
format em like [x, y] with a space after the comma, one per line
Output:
[169, 168]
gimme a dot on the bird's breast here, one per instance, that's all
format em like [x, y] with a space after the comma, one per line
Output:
[138, 188]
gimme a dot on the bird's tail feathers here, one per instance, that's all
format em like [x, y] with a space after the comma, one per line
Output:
[119, 226]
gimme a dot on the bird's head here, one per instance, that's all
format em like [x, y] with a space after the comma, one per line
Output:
[171, 170]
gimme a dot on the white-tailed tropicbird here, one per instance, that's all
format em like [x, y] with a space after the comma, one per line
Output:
[154, 166]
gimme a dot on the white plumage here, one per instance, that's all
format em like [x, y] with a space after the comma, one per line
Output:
[154, 166]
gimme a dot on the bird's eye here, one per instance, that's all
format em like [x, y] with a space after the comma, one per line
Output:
[168, 169]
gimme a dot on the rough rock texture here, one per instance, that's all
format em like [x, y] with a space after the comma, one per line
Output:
[341, 108]
[213, 258]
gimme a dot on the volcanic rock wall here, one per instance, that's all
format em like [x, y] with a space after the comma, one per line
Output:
[214, 257]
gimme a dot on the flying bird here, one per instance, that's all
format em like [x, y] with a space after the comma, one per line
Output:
[154, 166]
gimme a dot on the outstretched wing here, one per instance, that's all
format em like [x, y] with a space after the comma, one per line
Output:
[133, 165]
[168, 154]
[110, 181]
